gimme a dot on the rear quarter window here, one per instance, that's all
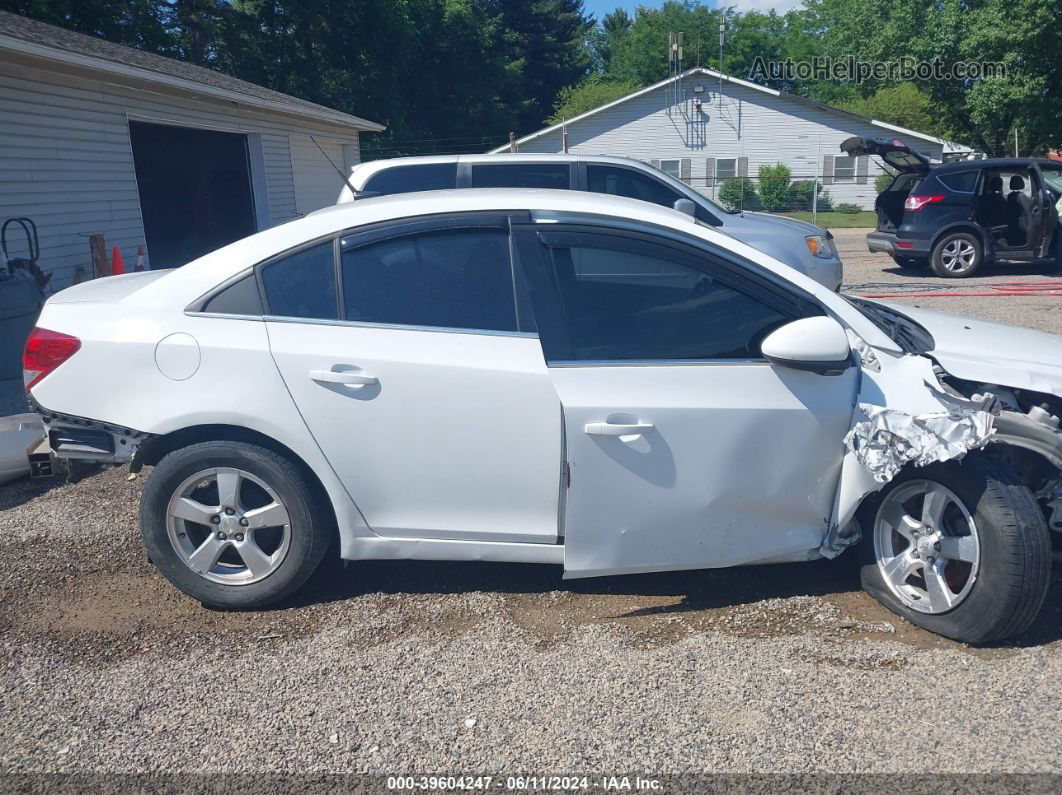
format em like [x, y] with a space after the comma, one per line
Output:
[959, 181]
[407, 179]
[303, 284]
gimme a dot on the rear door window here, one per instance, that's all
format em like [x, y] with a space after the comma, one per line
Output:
[455, 279]
[407, 179]
[521, 175]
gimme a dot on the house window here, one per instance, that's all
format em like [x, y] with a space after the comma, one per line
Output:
[726, 168]
[844, 169]
[672, 168]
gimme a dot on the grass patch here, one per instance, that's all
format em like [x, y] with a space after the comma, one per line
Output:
[832, 220]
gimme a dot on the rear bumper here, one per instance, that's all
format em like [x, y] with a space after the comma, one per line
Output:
[887, 243]
[78, 438]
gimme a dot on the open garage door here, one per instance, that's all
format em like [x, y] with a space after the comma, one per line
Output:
[317, 182]
[195, 190]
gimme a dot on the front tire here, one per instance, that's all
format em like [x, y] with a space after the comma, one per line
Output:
[958, 548]
[957, 255]
[232, 524]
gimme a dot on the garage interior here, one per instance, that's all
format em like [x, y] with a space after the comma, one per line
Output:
[195, 190]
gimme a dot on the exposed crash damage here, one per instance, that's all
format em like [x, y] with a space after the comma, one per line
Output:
[887, 440]
[895, 426]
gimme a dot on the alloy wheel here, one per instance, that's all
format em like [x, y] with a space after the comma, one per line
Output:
[958, 255]
[228, 526]
[926, 545]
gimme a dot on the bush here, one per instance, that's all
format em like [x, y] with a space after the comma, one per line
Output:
[800, 195]
[882, 182]
[739, 194]
[774, 186]
[848, 209]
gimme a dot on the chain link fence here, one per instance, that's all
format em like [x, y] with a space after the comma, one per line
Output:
[776, 194]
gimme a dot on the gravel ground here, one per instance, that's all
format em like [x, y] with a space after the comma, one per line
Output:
[419, 667]
[877, 274]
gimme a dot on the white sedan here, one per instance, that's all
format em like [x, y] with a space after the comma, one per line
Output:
[540, 376]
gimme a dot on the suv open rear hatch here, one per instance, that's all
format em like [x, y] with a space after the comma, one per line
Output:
[895, 153]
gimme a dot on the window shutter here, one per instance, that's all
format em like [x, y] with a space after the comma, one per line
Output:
[861, 169]
[654, 163]
[743, 167]
[827, 169]
[709, 172]
[684, 170]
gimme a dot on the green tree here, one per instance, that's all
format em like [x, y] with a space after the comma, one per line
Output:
[1023, 35]
[593, 92]
[544, 47]
[603, 38]
[904, 104]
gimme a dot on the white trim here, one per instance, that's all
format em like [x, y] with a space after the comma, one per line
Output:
[736, 81]
[137, 72]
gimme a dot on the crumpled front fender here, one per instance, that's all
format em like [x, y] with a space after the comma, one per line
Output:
[903, 416]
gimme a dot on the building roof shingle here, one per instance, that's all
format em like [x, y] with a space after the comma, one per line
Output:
[15, 29]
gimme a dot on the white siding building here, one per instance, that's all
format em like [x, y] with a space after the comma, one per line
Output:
[704, 127]
[99, 139]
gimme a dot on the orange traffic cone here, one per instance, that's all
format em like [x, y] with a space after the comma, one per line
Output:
[139, 258]
[117, 264]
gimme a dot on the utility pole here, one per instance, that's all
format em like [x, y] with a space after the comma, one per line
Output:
[722, 29]
[815, 182]
[1015, 141]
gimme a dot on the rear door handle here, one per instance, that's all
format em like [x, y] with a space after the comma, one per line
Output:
[351, 379]
[616, 429]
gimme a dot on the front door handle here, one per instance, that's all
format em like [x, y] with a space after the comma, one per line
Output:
[351, 379]
[617, 429]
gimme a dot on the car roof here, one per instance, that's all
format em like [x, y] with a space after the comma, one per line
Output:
[365, 170]
[994, 162]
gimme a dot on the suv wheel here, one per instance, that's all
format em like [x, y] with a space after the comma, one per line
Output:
[960, 549]
[232, 524]
[957, 255]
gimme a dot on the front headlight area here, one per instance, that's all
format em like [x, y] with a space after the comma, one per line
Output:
[820, 246]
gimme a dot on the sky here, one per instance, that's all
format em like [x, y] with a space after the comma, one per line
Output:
[601, 7]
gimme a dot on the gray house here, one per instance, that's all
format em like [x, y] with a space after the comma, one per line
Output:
[99, 139]
[704, 128]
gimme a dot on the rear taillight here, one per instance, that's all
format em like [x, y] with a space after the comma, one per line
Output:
[45, 350]
[918, 202]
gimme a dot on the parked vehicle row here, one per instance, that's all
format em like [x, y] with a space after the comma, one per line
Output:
[549, 376]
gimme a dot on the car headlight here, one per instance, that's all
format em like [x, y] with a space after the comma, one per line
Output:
[819, 246]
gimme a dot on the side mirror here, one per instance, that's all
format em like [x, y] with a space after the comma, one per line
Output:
[686, 206]
[817, 344]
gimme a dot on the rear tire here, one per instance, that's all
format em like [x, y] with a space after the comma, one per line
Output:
[957, 255]
[996, 596]
[251, 548]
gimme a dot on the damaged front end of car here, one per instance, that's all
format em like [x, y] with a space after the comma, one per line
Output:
[896, 424]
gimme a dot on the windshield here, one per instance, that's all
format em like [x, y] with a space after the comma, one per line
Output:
[910, 336]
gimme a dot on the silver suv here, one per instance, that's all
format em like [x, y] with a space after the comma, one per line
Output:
[807, 248]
